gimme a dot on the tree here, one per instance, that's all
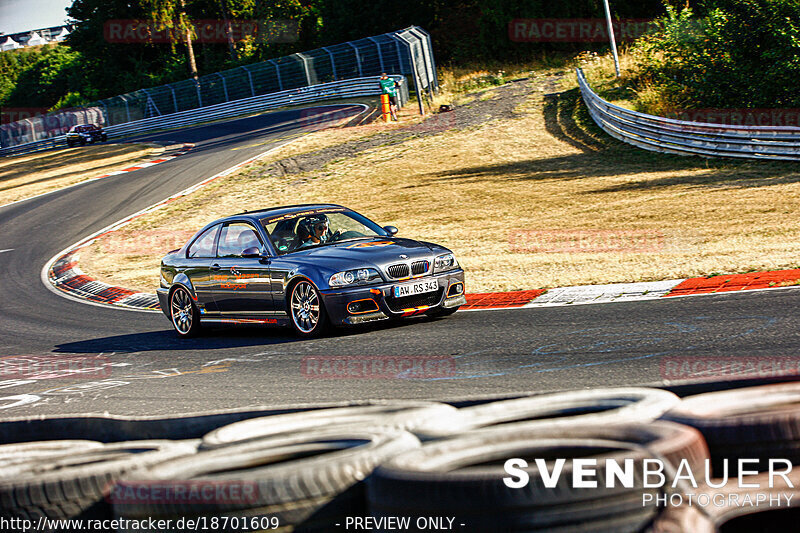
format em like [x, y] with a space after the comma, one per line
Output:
[172, 14]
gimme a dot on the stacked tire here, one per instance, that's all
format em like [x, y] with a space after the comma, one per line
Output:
[72, 479]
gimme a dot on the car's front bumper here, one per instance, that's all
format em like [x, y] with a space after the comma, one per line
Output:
[338, 301]
[163, 301]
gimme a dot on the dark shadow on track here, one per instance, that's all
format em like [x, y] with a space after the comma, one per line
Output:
[220, 337]
[167, 340]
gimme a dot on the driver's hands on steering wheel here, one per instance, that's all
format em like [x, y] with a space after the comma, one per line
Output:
[335, 235]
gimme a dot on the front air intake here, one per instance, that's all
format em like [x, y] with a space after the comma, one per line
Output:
[398, 271]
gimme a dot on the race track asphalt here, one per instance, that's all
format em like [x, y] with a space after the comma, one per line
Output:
[130, 362]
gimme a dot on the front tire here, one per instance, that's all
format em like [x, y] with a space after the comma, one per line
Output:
[184, 314]
[306, 310]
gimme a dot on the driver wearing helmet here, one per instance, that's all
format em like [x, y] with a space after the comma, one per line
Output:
[313, 230]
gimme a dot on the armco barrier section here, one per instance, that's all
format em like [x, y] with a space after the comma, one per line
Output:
[406, 52]
[666, 135]
[352, 88]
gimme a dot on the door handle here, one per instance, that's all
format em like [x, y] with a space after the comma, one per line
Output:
[215, 267]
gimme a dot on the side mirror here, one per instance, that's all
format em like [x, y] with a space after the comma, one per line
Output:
[391, 230]
[252, 252]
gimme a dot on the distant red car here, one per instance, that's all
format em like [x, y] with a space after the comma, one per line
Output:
[83, 133]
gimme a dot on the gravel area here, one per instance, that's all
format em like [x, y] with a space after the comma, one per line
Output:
[494, 103]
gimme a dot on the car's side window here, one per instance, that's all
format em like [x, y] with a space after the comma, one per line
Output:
[203, 246]
[237, 237]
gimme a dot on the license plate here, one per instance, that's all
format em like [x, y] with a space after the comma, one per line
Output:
[410, 289]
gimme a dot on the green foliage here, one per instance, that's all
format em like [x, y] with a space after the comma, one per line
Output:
[739, 54]
[57, 71]
[14, 62]
[71, 99]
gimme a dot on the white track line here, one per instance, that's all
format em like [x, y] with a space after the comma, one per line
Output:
[120, 223]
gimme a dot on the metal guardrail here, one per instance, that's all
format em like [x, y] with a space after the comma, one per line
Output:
[659, 134]
[406, 52]
[352, 88]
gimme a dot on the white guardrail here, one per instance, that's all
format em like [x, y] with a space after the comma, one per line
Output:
[661, 134]
[351, 88]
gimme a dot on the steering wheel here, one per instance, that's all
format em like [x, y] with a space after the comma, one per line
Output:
[335, 236]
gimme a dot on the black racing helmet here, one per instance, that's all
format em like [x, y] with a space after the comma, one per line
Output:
[309, 224]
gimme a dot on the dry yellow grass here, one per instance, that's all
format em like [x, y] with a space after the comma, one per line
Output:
[481, 191]
[28, 175]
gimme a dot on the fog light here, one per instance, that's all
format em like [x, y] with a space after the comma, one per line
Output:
[362, 306]
[455, 289]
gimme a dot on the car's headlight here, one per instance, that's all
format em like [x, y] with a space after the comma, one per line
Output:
[354, 277]
[445, 262]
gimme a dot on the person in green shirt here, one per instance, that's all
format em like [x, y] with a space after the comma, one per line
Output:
[389, 86]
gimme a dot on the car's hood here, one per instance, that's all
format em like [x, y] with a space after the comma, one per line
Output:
[379, 252]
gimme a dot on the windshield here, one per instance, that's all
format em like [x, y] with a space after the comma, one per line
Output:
[314, 228]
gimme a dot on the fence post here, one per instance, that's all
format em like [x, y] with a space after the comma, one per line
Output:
[199, 95]
[333, 61]
[358, 59]
[106, 116]
[127, 108]
[305, 67]
[224, 86]
[250, 77]
[278, 72]
[174, 98]
[380, 54]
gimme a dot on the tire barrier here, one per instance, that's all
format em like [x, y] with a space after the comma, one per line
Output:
[561, 410]
[392, 415]
[75, 483]
[309, 481]
[313, 467]
[754, 519]
[13, 454]
[113, 428]
[434, 480]
[754, 422]
[682, 519]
